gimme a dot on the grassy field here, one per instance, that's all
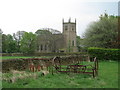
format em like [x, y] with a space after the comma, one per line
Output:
[14, 57]
[108, 78]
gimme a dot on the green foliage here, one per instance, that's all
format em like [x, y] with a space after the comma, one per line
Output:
[0, 40]
[18, 36]
[15, 57]
[79, 43]
[102, 33]
[8, 44]
[78, 40]
[28, 43]
[104, 54]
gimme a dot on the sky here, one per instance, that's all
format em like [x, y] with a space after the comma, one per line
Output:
[31, 15]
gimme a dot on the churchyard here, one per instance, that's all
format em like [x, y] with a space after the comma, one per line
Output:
[51, 59]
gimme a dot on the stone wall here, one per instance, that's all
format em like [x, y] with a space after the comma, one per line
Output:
[21, 64]
[24, 64]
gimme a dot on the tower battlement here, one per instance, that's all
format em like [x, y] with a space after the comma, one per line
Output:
[69, 21]
[69, 30]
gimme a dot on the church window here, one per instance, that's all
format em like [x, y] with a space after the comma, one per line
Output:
[45, 47]
[73, 43]
[72, 28]
[41, 47]
[38, 47]
[66, 27]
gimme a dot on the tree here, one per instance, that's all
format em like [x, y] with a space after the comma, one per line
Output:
[78, 42]
[102, 33]
[4, 43]
[8, 44]
[1, 40]
[18, 36]
[28, 43]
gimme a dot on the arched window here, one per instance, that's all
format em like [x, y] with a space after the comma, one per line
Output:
[73, 43]
[41, 47]
[45, 47]
[37, 47]
[72, 28]
[66, 27]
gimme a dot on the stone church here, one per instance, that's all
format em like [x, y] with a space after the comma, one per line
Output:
[59, 42]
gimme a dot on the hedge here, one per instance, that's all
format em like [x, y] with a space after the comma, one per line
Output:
[104, 54]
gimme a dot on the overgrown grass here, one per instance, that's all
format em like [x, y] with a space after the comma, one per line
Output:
[108, 78]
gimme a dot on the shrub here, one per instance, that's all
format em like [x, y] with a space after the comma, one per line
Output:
[104, 54]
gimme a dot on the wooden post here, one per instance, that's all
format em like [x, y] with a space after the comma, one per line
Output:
[53, 61]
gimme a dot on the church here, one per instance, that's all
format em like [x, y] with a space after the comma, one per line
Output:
[57, 41]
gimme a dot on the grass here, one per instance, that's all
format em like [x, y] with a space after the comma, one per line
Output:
[108, 78]
[15, 57]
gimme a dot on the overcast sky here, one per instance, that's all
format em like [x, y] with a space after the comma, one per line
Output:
[31, 15]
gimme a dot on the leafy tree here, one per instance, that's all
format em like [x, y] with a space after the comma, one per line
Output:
[4, 43]
[102, 33]
[1, 40]
[18, 36]
[8, 44]
[28, 43]
[78, 42]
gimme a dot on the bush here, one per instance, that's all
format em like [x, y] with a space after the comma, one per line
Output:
[104, 54]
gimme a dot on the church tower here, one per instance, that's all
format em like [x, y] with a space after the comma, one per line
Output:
[69, 31]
